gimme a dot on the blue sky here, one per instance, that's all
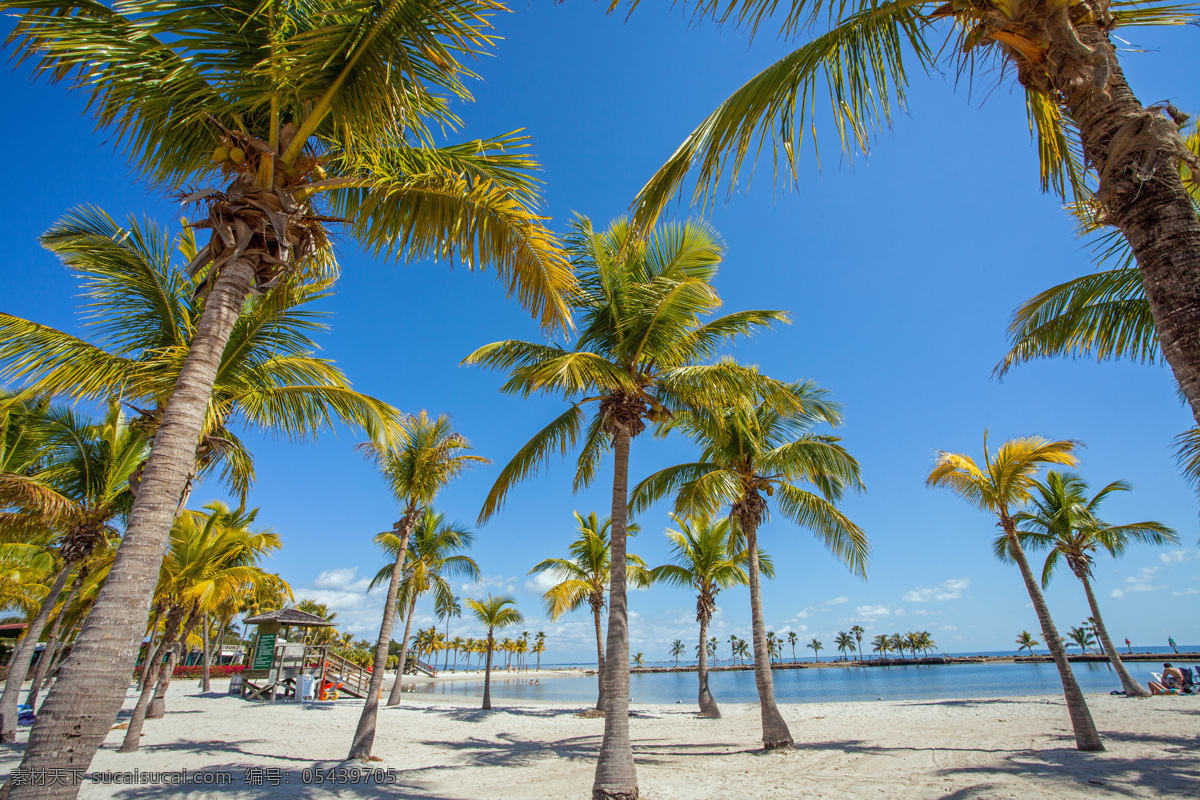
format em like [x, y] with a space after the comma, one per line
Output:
[900, 271]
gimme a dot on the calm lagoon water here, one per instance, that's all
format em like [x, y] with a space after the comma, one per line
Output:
[924, 682]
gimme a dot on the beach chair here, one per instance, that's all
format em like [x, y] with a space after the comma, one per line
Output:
[1191, 682]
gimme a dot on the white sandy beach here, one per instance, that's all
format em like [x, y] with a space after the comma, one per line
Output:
[446, 748]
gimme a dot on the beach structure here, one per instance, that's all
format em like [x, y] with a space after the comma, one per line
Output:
[280, 668]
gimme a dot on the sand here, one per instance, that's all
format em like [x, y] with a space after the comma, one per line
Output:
[446, 748]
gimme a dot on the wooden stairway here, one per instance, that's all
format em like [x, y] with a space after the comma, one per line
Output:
[356, 680]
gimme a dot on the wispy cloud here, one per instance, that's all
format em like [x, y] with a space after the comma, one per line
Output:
[836, 601]
[1176, 556]
[1186, 592]
[947, 590]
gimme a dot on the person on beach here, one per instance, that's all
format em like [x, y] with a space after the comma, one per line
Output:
[1172, 681]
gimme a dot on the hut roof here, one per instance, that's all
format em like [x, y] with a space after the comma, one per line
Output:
[290, 616]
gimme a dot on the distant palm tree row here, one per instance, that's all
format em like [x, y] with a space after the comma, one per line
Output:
[901, 642]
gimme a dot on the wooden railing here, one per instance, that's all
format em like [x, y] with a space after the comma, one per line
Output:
[356, 680]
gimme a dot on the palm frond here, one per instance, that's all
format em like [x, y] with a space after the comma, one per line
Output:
[860, 61]
[559, 435]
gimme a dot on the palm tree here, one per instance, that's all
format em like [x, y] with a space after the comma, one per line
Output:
[896, 643]
[431, 556]
[211, 557]
[815, 645]
[858, 632]
[313, 112]
[493, 613]
[708, 556]
[586, 575]
[88, 467]
[1027, 642]
[539, 647]
[1001, 487]
[750, 452]
[1082, 638]
[446, 607]
[677, 649]
[1062, 520]
[793, 637]
[845, 642]
[881, 644]
[430, 457]
[637, 356]
[638, 659]
[743, 651]
[145, 312]
[1084, 111]
[772, 644]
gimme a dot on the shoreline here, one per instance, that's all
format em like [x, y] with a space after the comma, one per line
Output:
[931, 660]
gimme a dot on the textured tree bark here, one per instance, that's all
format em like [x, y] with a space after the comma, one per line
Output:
[137, 719]
[205, 682]
[708, 706]
[487, 674]
[1144, 197]
[18, 665]
[599, 658]
[616, 775]
[1132, 688]
[151, 650]
[52, 639]
[158, 706]
[394, 697]
[83, 703]
[776, 735]
[1086, 736]
[364, 736]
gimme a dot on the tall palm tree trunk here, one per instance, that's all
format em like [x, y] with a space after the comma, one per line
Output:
[170, 632]
[364, 736]
[158, 706]
[152, 648]
[83, 703]
[394, 697]
[1135, 151]
[616, 776]
[776, 735]
[1132, 688]
[52, 639]
[206, 678]
[708, 706]
[1086, 736]
[18, 665]
[487, 675]
[599, 657]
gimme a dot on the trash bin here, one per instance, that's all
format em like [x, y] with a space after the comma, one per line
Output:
[235, 684]
[308, 687]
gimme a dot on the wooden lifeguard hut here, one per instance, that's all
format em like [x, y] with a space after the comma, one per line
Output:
[276, 667]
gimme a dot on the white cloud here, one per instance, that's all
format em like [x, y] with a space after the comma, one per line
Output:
[541, 582]
[948, 628]
[1175, 556]
[837, 601]
[1141, 581]
[341, 580]
[496, 584]
[1117, 593]
[1185, 592]
[872, 613]
[948, 590]
[358, 609]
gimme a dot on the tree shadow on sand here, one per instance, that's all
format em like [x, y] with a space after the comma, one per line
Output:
[507, 749]
[1173, 772]
[234, 780]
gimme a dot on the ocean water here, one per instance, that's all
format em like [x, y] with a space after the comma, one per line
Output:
[915, 682]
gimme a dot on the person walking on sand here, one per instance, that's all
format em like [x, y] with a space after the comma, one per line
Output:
[1171, 642]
